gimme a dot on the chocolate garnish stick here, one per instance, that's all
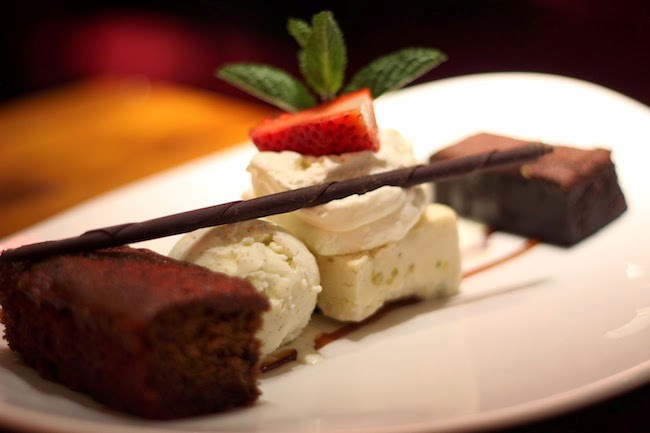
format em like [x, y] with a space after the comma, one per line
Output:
[273, 204]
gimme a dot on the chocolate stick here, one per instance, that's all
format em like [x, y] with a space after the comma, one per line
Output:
[273, 204]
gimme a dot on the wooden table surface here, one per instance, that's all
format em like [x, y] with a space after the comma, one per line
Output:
[61, 147]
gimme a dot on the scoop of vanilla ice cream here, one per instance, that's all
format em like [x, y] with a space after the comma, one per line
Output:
[354, 223]
[273, 261]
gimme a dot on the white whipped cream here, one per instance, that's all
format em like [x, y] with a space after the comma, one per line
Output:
[351, 224]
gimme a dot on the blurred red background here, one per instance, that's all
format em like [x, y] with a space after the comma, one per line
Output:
[44, 45]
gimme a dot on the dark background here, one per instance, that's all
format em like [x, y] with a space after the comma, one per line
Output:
[48, 44]
[45, 44]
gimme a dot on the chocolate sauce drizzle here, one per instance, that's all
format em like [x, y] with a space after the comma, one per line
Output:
[288, 201]
[530, 243]
[326, 338]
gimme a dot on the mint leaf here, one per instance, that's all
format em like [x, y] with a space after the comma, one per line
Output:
[396, 70]
[269, 84]
[324, 57]
[300, 30]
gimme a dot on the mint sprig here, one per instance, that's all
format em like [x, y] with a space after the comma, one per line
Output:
[322, 59]
[300, 30]
[396, 70]
[270, 84]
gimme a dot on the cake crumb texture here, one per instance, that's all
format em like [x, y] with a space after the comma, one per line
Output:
[137, 331]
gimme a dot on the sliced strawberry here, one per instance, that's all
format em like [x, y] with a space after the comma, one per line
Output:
[346, 124]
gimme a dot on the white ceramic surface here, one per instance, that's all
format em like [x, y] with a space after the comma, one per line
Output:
[549, 331]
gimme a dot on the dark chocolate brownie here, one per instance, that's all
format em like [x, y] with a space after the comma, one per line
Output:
[136, 330]
[560, 198]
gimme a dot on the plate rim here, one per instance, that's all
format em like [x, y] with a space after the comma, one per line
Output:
[534, 410]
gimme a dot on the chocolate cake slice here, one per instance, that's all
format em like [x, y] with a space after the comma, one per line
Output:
[560, 198]
[136, 330]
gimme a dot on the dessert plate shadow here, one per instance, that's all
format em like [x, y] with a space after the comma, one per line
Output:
[578, 317]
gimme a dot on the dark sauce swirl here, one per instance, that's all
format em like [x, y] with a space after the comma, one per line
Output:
[278, 359]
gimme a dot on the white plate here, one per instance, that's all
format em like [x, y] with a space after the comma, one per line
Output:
[549, 331]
